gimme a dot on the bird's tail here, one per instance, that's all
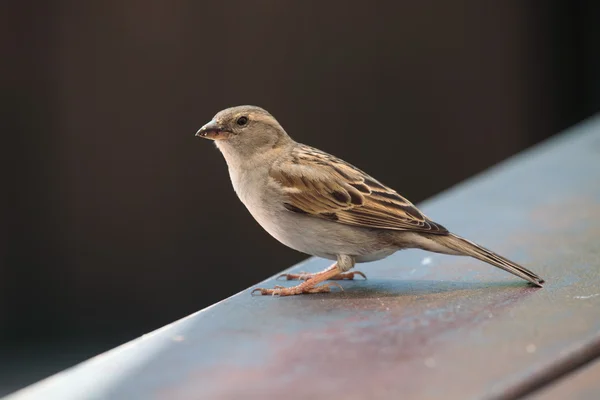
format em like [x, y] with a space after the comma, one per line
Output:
[465, 247]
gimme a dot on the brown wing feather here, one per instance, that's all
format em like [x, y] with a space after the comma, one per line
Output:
[324, 186]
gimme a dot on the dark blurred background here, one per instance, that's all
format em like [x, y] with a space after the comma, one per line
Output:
[118, 220]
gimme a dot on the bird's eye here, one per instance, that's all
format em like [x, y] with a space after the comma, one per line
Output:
[241, 121]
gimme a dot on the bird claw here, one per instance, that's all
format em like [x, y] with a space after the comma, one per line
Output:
[330, 284]
[350, 275]
[304, 276]
[283, 291]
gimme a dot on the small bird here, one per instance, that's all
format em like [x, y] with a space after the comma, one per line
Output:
[321, 205]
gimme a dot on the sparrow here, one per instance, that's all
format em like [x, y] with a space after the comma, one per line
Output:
[320, 205]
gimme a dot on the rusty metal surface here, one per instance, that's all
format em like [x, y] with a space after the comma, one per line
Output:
[423, 326]
[583, 384]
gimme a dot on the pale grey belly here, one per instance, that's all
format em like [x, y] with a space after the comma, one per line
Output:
[324, 238]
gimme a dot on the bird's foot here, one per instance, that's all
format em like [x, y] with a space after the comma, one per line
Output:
[304, 276]
[299, 289]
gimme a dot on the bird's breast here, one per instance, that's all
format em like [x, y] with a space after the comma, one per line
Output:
[265, 199]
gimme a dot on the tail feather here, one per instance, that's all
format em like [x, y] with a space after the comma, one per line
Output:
[468, 248]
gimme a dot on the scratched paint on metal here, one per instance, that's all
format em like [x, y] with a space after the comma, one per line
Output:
[423, 325]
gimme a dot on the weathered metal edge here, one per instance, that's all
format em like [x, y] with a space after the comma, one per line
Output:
[577, 359]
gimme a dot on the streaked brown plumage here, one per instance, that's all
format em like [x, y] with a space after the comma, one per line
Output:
[321, 205]
[343, 193]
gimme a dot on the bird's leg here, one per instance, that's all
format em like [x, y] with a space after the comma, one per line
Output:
[304, 276]
[343, 264]
[308, 286]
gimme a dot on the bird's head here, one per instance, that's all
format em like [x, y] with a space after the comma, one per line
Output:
[244, 130]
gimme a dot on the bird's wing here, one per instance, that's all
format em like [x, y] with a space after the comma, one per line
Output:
[321, 185]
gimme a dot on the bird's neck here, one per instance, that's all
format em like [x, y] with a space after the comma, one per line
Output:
[250, 157]
[249, 173]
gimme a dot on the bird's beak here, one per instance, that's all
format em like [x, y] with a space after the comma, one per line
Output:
[213, 131]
